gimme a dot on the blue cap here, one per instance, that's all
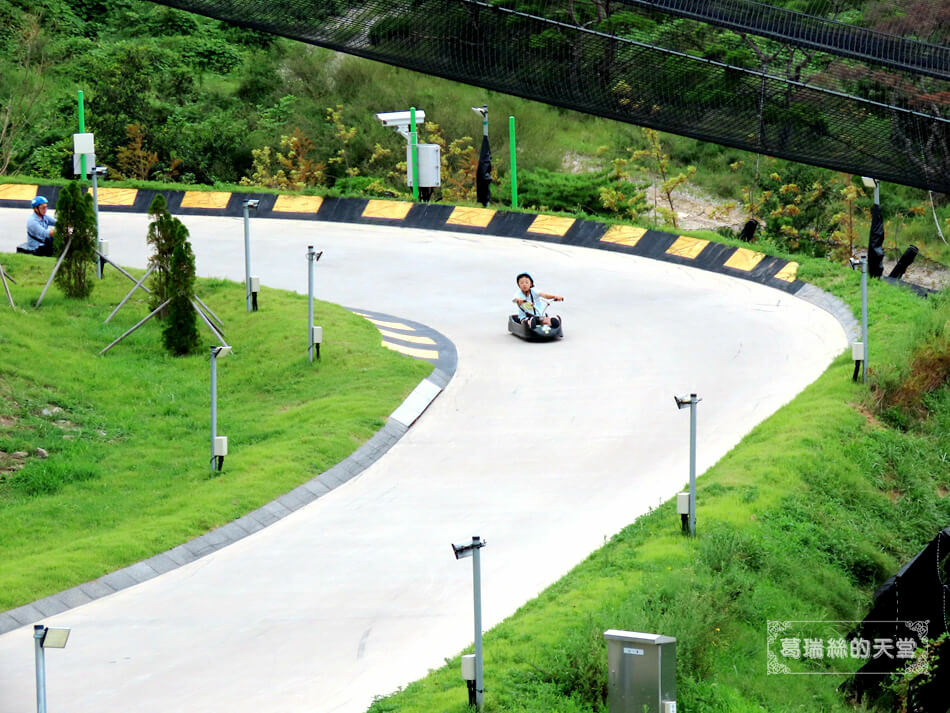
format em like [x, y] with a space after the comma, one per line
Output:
[39, 200]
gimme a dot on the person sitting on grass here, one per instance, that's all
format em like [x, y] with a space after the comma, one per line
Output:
[40, 228]
[530, 314]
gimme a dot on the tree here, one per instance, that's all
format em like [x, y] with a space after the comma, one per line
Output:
[658, 163]
[180, 334]
[133, 159]
[76, 226]
[21, 89]
[162, 233]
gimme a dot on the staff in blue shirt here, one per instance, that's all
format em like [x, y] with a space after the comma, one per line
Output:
[40, 228]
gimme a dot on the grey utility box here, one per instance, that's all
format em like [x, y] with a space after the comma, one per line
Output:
[641, 672]
[430, 165]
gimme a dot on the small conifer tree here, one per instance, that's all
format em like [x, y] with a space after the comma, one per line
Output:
[180, 334]
[76, 225]
[161, 236]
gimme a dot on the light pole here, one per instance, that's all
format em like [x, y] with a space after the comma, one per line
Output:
[472, 550]
[96, 172]
[864, 316]
[312, 258]
[681, 403]
[249, 205]
[219, 446]
[45, 638]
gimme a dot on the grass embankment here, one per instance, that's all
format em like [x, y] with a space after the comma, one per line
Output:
[802, 520]
[128, 433]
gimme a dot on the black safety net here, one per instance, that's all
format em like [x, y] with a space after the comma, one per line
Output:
[729, 82]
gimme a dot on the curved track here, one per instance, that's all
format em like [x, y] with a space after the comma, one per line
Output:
[542, 449]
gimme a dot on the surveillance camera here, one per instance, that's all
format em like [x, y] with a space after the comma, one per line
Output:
[854, 262]
[252, 204]
[481, 110]
[102, 170]
[397, 119]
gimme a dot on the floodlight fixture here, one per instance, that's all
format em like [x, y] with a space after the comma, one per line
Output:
[51, 638]
[868, 181]
[684, 401]
[221, 351]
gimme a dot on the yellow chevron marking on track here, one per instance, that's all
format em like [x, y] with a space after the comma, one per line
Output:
[390, 325]
[407, 337]
[628, 235]
[551, 225]
[298, 204]
[744, 259]
[788, 272]
[412, 351]
[687, 247]
[17, 192]
[471, 217]
[117, 196]
[389, 210]
[215, 200]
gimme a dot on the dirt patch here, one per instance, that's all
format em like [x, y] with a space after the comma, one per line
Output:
[6, 421]
[869, 417]
[696, 210]
[11, 462]
[942, 491]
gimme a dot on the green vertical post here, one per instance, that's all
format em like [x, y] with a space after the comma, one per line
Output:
[414, 153]
[514, 162]
[82, 130]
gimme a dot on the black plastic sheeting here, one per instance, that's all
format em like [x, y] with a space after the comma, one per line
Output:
[919, 592]
[890, 128]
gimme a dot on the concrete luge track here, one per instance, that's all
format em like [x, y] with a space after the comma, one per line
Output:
[542, 449]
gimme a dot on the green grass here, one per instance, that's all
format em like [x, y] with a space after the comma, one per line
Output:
[128, 433]
[803, 519]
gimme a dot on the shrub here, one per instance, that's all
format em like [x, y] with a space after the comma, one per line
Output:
[180, 334]
[75, 226]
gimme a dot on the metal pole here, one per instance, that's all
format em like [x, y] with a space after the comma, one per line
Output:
[514, 162]
[214, 401]
[95, 208]
[477, 586]
[864, 316]
[692, 464]
[414, 154]
[247, 257]
[82, 130]
[310, 302]
[38, 632]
